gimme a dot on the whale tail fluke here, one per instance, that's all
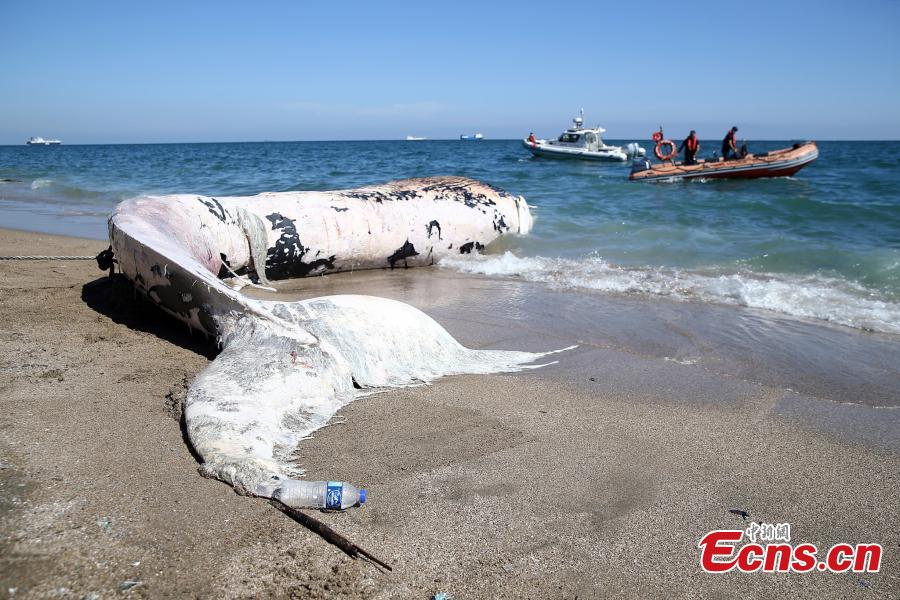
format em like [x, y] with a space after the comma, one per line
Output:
[280, 378]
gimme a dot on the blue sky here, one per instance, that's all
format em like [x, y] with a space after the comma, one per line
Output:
[93, 72]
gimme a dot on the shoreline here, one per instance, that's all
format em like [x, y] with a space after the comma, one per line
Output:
[593, 476]
[817, 245]
[6, 231]
[757, 345]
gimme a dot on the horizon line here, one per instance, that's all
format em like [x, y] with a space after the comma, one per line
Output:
[454, 139]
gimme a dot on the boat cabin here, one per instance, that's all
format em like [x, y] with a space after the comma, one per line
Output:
[580, 142]
[578, 136]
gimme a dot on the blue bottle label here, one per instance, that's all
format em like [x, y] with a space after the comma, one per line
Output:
[333, 494]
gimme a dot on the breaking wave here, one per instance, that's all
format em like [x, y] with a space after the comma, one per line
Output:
[813, 296]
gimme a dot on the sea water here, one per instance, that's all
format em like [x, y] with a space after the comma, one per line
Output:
[824, 244]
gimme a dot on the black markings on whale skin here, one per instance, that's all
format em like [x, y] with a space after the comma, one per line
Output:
[224, 268]
[285, 258]
[469, 246]
[457, 192]
[500, 223]
[431, 227]
[178, 296]
[205, 315]
[500, 192]
[336, 209]
[215, 208]
[161, 271]
[381, 197]
[403, 252]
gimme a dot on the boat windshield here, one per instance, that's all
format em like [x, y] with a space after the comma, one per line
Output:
[570, 138]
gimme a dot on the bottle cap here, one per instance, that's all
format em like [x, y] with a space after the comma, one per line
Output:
[362, 496]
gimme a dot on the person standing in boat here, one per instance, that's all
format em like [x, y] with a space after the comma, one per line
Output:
[531, 139]
[690, 145]
[729, 147]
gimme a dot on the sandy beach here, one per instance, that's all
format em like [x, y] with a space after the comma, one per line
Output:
[592, 477]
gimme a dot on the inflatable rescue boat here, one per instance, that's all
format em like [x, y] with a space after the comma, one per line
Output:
[776, 163]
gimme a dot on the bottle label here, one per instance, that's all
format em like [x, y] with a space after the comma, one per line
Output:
[333, 494]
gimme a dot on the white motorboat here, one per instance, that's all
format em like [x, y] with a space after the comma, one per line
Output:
[580, 142]
[413, 138]
[39, 141]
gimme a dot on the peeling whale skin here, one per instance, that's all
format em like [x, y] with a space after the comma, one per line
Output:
[286, 368]
[406, 223]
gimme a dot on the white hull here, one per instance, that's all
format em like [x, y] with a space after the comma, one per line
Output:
[612, 154]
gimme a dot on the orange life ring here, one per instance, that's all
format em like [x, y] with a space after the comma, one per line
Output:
[668, 155]
[657, 136]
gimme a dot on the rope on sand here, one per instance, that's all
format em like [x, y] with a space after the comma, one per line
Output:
[47, 257]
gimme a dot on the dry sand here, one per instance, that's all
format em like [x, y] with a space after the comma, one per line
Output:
[593, 477]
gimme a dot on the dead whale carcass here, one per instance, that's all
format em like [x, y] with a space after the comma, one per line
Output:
[287, 367]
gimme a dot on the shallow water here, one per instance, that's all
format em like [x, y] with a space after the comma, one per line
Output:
[799, 356]
[824, 244]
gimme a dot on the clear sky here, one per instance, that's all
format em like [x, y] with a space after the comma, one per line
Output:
[93, 72]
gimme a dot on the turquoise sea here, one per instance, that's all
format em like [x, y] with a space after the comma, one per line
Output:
[823, 245]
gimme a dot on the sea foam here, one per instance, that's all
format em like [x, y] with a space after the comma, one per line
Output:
[812, 296]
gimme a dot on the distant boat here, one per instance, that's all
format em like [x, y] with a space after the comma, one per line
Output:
[412, 138]
[477, 136]
[39, 141]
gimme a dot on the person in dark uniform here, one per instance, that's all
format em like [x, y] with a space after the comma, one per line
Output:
[690, 145]
[729, 147]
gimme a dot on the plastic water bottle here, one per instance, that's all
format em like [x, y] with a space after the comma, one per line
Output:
[330, 495]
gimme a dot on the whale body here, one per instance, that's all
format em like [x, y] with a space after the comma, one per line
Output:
[286, 368]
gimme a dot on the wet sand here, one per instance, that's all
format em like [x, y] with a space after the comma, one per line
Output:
[592, 477]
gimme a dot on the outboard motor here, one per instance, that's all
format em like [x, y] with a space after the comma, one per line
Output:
[639, 163]
[634, 150]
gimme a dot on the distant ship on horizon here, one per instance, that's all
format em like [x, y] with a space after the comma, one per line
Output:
[466, 136]
[413, 138]
[39, 141]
